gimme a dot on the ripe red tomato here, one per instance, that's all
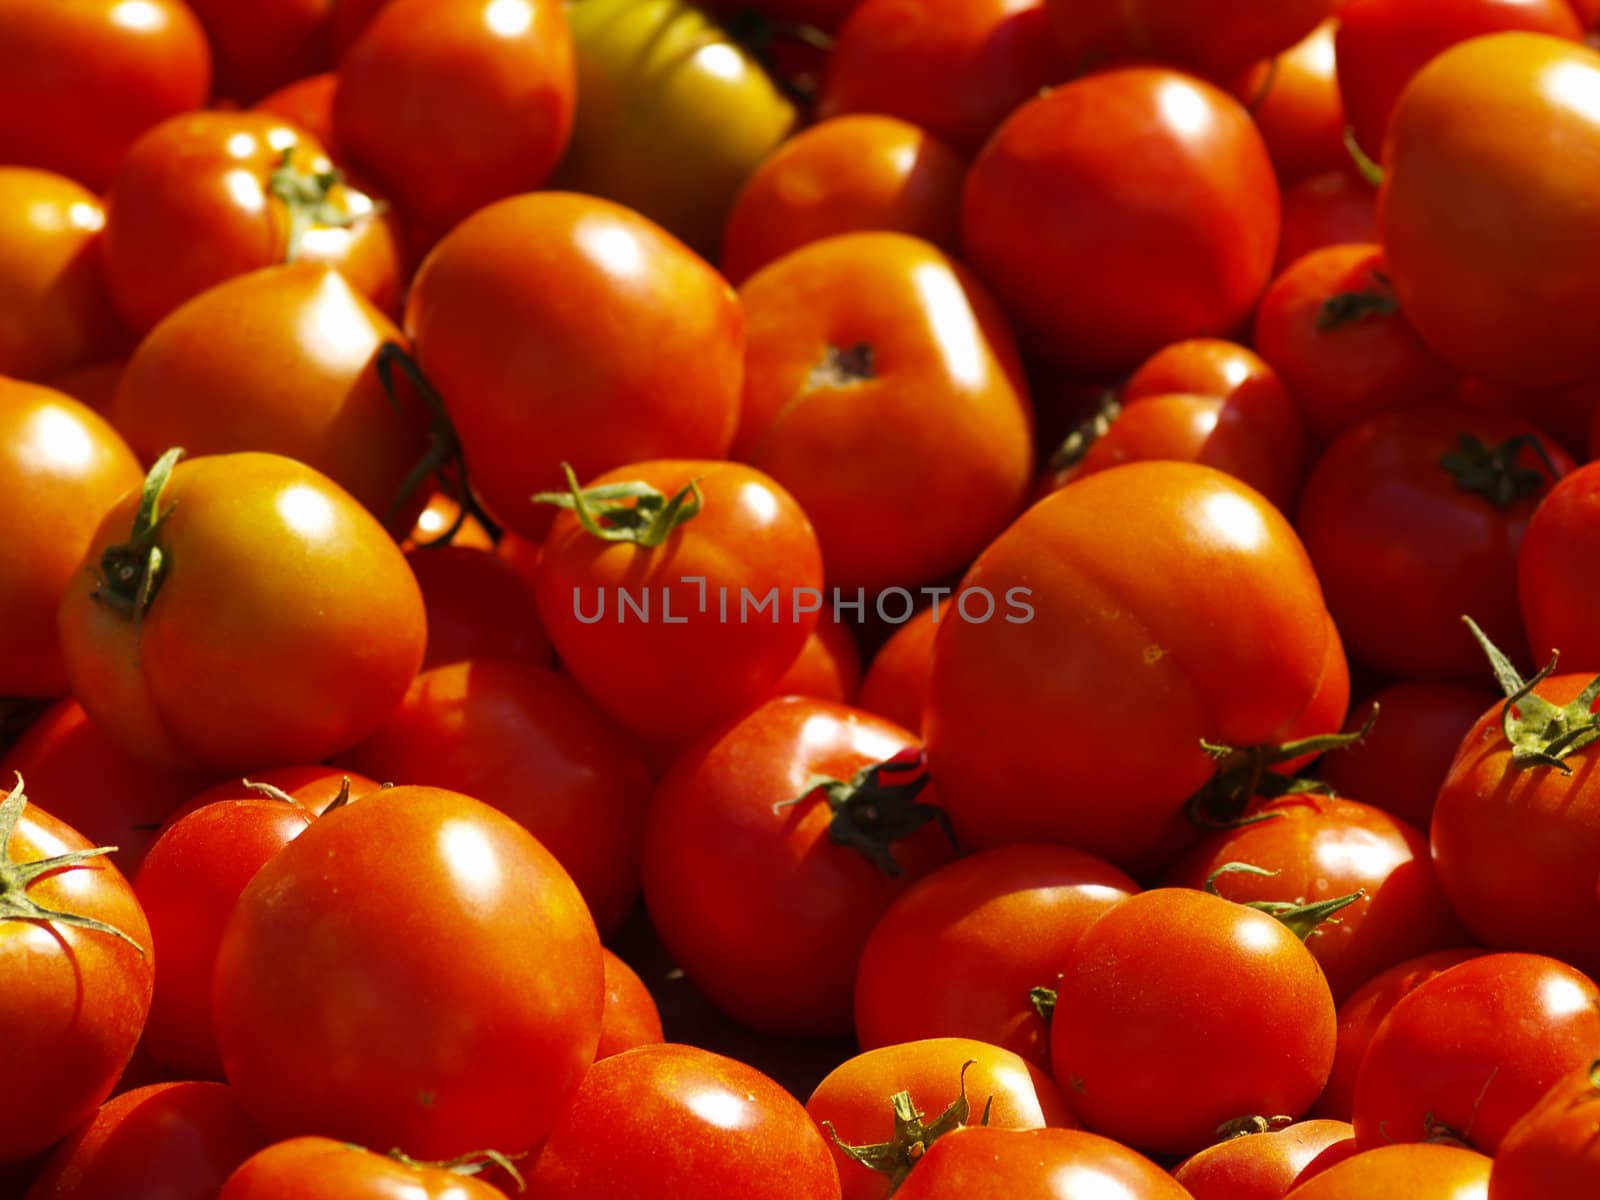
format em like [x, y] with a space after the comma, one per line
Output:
[828, 666]
[896, 683]
[321, 987]
[1121, 212]
[631, 1017]
[1266, 1165]
[1336, 208]
[658, 378]
[264, 45]
[664, 1122]
[1418, 1172]
[308, 104]
[1294, 98]
[1556, 571]
[1552, 1153]
[320, 1168]
[1042, 1164]
[479, 606]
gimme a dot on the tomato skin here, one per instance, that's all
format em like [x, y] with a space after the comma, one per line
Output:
[320, 1168]
[65, 466]
[631, 1017]
[1266, 1166]
[286, 628]
[958, 952]
[845, 175]
[1551, 1153]
[528, 742]
[828, 667]
[1556, 572]
[79, 82]
[1335, 208]
[942, 374]
[896, 683]
[659, 378]
[92, 384]
[1108, 229]
[1294, 98]
[308, 104]
[168, 1141]
[449, 105]
[1565, 413]
[1474, 1048]
[262, 46]
[660, 1122]
[1460, 155]
[58, 313]
[1170, 984]
[1416, 1171]
[1045, 1164]
[72, 1000]
[320, 987]
[478, 605]
[1110, 647]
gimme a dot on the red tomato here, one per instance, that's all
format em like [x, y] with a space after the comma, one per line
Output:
[321, 988]
[75, 974]
[308, 104]
[1471, 1050]
[630, 1018]
[528, 742]
[319, 1168]
[659, 378]
[1266, 1165]
[664, 1122]
[743, 838]
[1417, 1172]
[1552, 1153]
[896, 683]
[1556, 572]
[958, 954]
[1121, 212]
[1566, 413]
[828, 666]
[265, 44]
[1170, 984]
[451, 104]
[1294, 98]
[168, 1141]
[1217, 38]
[478, 605]
[1336, 208]
[81, 79]
[867, 332]
[957, 68]
[1042, 1164]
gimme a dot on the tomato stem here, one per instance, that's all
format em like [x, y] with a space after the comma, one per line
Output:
[132, 572]
[1493, 472]
[1244, 1126]
[1303, 920]
[1043, 1002]
[1090, 430]
[912, 1136]
[648, 521]
[308, 196]
[1540, 733]
[1244, 775]
[1365, 165]
[475, 1163]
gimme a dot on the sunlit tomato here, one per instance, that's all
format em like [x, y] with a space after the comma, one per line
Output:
[319, 1168]
[1170, 984]
[1417, 1172]
[828, 666]
[451, 104]
[873, 364]
[1566, 413]
[308, 104]
[93, 384]
[443, 513]
[321, 986]
[1121, 212]
[528, 742]
[959, 953]
[261, 616]
[65, 467]
[896, 683]
[1382, 44]
[478, 607]
[1414, 518]
[957, 68]
[1471, 1050]
[630, 1018]
[664, 1122]
[81, 79]
[1552, 1153]
[207, 196]
[1042, 1164]
[312, 788]
[1217, 38]
[1557, 571]
[58, 313]
[1294, 98]
[675, 114]
[75, 974]
[849, 174]
[1266, 1165]
[1087, 632]
[1331, 328]
[857, 1100]
[1335, 208]
[1463, 154]
[658, 377]
[266, 44]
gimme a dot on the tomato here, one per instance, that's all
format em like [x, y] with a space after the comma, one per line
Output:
[478, 606]
[1043, 1164]
[443, 513]
[1463, 153]
[1335, 208]
[1266, 1165]
[528, 742]
[321, 988]
[75, 974]
[319, 1168]
[311, 788]
[1555, 572]
[865, 333]
[1418, 1172]
[1330, 327]
[662, 1122]
[896, 683]
[1382, 44]
[93, 383]
[828, 666]
[81, 79]
[1552, 1154]
[853, 173]
[959, 953]
[261, 46]
[1172, 984]
[946, 1082]
[1121, 212]
[1414, 518]
[65, 468]
[58, 315]
[308, 104]
[261, 616]
[1094, 638]
[675, 114]
[1294, 98]
[451, 104]
[630, 1018]
[957, 68]
[1216, 38]
[168, 1141]
[1361, 1015]
[659, 377]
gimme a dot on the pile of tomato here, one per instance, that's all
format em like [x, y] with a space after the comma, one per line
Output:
[805, 599]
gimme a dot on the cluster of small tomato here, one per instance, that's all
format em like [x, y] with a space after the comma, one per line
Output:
[459, 453]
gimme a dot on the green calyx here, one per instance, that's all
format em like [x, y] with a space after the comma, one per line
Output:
[1493, 471]
[308, 195]
[1090, 430]
[1346, 308]
[876, 807]
[1245, 1126]
[16, 878]
[1302, 920]
[131, 572]
[912, 1135]
[1366, 166]
[1541, 734]
[475, 1163]
[605, 512]
[1043, 1001]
